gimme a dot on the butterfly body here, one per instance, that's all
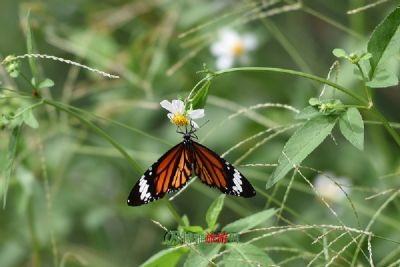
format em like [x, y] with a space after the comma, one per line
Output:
[174, 169]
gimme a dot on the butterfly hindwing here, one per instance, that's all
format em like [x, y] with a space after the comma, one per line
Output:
[215, 171]
[168, 174]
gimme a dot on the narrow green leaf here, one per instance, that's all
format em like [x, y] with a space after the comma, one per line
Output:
[9, 166]
[340, 53]
[249, 221]
[166, 257]
[200, 98]
[201, 256]
[213, 212]
[301, 144]
[352, 127]
[30, 49]
[308, 113]
[246, 255]
[30, 119]
[384, 43]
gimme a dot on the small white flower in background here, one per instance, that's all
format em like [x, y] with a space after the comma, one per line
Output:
[329, 190]
[231, 47]
[179, 115]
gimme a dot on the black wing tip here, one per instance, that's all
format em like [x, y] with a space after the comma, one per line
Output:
[249, 194]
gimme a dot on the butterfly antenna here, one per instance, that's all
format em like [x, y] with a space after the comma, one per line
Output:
[204, 123]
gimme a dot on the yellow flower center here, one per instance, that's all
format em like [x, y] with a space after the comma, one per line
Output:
[238, 48]
[179, 119]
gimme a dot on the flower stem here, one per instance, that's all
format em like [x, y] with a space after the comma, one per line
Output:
[366, 88]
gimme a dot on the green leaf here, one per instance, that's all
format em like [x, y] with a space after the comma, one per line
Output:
[365, 56]
[301, 144]
[352, 127]
[46, 83]
[314, 101]
[339, 53]
[249, 221]
[384, 44]
[200, 98]
[193, 228]
[30, 119]
[383, 78]
[308, 113]
[166, 257]
[9, 166]
[12, 66]
[246, 255]
[201, 255]
[213, 212]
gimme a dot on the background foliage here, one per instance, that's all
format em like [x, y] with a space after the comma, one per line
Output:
[66, 200]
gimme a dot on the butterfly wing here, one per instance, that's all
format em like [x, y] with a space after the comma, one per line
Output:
[215, 171]
[168, 174]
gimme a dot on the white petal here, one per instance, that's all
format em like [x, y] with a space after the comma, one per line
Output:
[168, 106]
[170, 116]
[194, 124]
[249, 41]
[219, 48]
[196, 114]
[224, 62]
[179, 106]
[229, 36]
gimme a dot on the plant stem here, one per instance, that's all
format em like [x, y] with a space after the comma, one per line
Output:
[392, 124]
[33, 106]
[366, 88]
[297, 73]
[385, 123]
[78, 110]
[99, 131]
[174, 212]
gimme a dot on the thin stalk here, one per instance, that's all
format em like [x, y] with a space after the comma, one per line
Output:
[79, 110]
[387, 125]
[296, 73]
[33, 106]
[174, 212]
[366, 88]
[392, 124]
[99, 131]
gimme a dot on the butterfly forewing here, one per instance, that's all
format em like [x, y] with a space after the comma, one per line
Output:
[168, 174]
[215, 171]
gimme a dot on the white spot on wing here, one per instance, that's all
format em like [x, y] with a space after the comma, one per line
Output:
[144, 192]
[143, 187]
[237, 180]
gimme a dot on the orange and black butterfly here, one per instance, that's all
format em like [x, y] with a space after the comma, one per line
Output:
[174, 169]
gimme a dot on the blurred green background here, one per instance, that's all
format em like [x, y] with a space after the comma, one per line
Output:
[82, 217]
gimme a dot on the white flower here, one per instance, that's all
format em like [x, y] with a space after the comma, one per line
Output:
[329, 190]
[179, 116]
[232, 46]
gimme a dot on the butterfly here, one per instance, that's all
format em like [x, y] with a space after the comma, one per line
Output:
[174, 169]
